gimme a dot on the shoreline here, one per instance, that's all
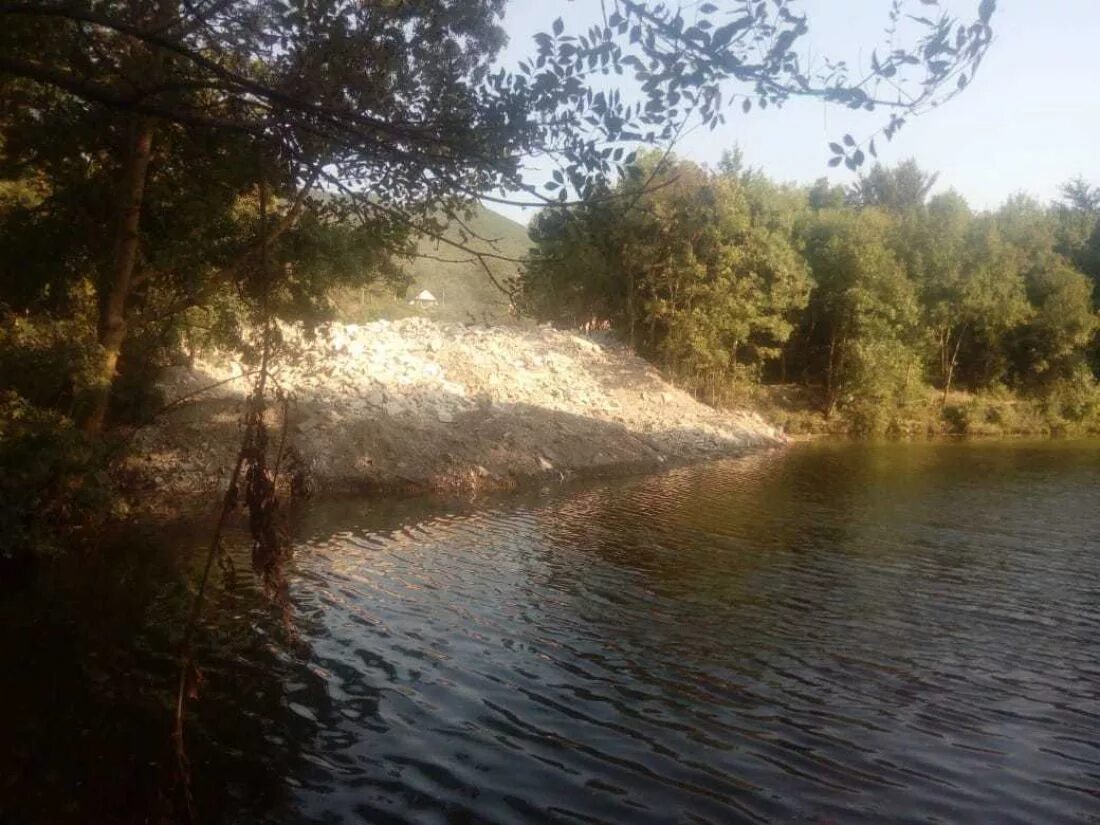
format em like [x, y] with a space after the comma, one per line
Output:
[418, 407]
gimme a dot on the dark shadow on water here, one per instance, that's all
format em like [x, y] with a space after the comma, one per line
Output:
[89, 656]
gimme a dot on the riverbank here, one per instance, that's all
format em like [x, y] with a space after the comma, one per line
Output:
[419, 406]
[925, 414]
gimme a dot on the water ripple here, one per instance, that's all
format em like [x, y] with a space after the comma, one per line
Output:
[857, 634]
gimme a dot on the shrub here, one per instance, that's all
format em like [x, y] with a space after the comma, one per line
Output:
[54, 480]
[47, 361]
[1073, 403]
[957, 418]
[868, 418]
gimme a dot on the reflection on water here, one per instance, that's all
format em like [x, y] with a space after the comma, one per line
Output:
[835, 633]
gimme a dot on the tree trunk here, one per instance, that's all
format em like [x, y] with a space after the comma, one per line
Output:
[112, 319]
[950, 363]
[830, 396]
[631, 315]
[945, 346]
[147, 67]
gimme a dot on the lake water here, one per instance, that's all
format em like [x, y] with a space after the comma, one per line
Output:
[833, 633]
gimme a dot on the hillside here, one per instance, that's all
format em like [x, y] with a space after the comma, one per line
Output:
[462, 289]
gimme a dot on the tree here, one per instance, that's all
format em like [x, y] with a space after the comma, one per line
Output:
[391, 105]
[1078, 195]
[574, 274]
[1078, 227]
[1052, 344]
[970, 289]
[697, 270]
[901, 189]
[861, 319]
[1062, 320]
[823, 195]
[273, 91]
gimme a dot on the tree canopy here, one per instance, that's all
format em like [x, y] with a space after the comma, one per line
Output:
[862, 299]
[699, 270]
[173, 155]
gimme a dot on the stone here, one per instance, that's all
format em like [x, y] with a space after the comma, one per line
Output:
[410, 389]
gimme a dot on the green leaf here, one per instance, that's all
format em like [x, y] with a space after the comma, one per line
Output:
[726, 33]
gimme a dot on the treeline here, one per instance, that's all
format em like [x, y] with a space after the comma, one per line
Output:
[873, 300]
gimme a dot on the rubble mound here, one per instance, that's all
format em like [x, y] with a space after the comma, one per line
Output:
[420, 405]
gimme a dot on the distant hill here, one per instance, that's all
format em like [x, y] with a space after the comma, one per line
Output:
[462, 290]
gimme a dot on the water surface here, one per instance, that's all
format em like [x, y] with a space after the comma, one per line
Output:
[831, 633]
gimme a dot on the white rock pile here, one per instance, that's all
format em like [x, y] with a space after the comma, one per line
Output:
[423, 404]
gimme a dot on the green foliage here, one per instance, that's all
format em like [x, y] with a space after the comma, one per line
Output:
[900, 189]
[696, 269]
[706, 273]
[956, 418]
[1073, 402]
[48, 361]
[823, 195]
[1051, 345]
[863, 309]
[971, 290]
[54, 481]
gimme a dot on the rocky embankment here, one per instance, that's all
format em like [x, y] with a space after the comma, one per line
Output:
[417, 405]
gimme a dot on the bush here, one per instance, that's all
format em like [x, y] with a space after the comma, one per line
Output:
[956, 418]
[1073, 403]
[54, 480]
[868, 418]
[47, 361]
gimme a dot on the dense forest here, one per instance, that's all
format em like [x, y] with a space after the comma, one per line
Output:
[876, 306]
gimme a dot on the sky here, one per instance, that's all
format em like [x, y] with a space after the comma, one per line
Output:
[1028, 122]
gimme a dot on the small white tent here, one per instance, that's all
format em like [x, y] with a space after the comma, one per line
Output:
[424, 299]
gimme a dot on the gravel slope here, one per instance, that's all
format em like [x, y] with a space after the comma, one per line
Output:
[419, 405]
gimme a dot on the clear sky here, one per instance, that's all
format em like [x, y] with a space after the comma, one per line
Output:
[1028, 122]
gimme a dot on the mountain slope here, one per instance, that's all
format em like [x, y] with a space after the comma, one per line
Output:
[460, 285]
[463, 289]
